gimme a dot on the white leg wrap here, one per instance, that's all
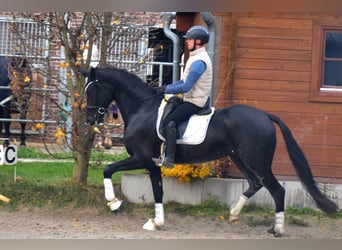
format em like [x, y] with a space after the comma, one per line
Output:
[153, 224]
[109, 190]
[236, 207]
[159, 210]
[279, 227]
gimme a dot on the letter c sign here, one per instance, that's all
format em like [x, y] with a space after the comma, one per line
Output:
[8, 155]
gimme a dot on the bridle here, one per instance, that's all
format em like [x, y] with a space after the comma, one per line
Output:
[100, 109]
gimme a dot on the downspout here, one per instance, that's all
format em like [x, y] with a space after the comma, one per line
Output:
[167, 18]
[208, 19]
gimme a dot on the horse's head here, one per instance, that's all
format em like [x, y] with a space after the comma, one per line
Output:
[19, 71]
[97, 104]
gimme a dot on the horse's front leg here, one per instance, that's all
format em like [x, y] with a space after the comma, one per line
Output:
[127, 164]
[156, 180]
[157, 187]
[22, 126]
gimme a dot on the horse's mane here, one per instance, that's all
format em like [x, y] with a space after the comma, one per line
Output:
[132, 80]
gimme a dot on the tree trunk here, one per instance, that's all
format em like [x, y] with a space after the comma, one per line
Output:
[82, 142]
[82, 158]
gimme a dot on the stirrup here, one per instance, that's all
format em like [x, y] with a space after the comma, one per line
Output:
[114, 204]
[163, 162]
[158, 161]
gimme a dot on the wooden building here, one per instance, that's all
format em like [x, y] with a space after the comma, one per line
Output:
[288, 64]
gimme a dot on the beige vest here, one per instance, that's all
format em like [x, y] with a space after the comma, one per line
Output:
[200, 92]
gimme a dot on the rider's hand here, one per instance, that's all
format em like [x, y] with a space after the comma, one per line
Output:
[161, 89]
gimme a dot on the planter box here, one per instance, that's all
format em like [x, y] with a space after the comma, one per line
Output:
[137, 188]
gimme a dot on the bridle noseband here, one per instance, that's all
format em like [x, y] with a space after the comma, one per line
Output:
[100, 110]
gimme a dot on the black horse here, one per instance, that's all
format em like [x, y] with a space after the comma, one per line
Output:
[244, 133]
[15, 78]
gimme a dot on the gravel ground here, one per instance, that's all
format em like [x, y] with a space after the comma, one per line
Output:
[92, 223]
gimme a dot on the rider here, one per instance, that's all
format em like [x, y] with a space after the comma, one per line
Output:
[195, 86]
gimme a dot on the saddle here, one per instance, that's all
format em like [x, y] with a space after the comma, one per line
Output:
[192, 131]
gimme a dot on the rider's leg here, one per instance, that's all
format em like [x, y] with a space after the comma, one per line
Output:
[179, 114]
[170, 145]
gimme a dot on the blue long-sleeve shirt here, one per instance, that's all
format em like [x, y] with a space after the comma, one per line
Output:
[196, 70]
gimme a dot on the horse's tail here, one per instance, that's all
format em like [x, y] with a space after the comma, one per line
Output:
[302, 168]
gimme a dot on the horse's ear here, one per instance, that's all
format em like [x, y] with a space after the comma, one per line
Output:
[92, 73]
[84, 72]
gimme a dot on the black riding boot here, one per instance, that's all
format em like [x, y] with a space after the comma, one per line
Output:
[170, 147]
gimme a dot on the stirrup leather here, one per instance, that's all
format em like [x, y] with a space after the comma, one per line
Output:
[158, 161]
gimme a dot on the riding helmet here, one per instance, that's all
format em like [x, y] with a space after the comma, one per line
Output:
[198, 32]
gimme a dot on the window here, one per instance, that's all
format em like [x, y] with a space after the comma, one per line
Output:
[34, 34]
[327, 61]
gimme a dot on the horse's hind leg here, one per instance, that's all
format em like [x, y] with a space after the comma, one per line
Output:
[278, 194]
[23, 116]
[254, 186]
[6, 114]
[22, 134]
[257, 179]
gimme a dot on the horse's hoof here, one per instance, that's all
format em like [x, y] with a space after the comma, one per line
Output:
[115, 212]
[150, 225]
[233, 220]
[114, 204]
[273, 233]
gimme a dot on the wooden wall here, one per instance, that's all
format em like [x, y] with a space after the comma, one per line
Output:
[265, 60]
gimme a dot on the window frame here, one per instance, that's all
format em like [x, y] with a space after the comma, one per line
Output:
[317, 91]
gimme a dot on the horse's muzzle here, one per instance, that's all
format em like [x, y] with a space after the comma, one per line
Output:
[93, 122]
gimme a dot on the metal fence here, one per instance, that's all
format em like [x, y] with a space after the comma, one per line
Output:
[140, 61]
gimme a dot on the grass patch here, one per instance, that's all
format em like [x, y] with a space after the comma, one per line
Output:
[54, 173]
[28, 152]
[257, 215]
[32, 153]
[305, 210]
[34, 195]
[297, 221]
[49, 183]
[210, 206]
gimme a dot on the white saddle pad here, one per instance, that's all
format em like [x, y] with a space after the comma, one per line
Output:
[195, 131]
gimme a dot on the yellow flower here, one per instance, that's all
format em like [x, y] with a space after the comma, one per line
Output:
[116, 22]
[39, 126]
[27, 79]
[84, 47]
[75, 104]
[187, 172]
[64, 64]
[59, 135]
